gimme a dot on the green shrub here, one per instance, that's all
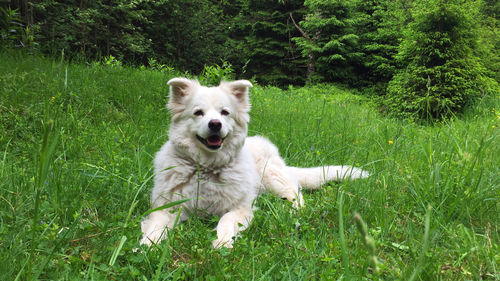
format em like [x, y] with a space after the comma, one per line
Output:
[155, 65]
[442, 76]
[213, 74]
[12, 33]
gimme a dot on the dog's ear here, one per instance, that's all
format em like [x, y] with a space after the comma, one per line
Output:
[180, 88]
[239, 89]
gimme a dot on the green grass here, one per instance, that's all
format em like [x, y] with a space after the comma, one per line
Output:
[73, 212]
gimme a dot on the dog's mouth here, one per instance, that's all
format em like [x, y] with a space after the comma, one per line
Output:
[213, 142]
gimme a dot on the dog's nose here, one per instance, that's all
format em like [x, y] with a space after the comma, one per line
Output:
[214, 125]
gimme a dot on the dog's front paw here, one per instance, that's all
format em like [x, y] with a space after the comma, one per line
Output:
[153, 237]
[298, 202]
[152, 233]
[218, 243]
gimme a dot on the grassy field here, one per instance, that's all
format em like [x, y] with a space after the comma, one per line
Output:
[76, 150]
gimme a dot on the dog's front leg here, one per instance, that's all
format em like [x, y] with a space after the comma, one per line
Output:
[154, 228]
[230, 224]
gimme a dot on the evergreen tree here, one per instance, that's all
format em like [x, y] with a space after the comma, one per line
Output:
[331, 43]
[261, 38]
[91, 28]
[489, 41]
[187, 34]
[379, 30]
[442, 75]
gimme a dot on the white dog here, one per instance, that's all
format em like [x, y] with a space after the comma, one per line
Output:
[209, 159]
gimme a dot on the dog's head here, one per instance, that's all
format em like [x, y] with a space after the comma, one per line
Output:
[211, 118]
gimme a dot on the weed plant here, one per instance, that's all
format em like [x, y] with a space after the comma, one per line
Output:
[76, 150]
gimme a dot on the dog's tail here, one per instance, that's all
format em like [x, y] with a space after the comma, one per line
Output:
[313, 178]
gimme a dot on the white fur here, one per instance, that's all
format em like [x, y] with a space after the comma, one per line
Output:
[221, 181]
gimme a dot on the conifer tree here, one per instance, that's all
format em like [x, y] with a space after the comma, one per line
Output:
[261, 38]
[442, 76]
[187, 34]
[379, 30]
[489, 42]
[332, 41]
[91, 29]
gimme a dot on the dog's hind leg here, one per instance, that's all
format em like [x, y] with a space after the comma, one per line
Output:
[277, 178]
[230, 224]
[275, 175]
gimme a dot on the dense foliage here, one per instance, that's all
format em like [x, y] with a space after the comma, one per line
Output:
[186, 34]
[332, 42]
[262, 34]
[12, 31]
[442, 74]
[92, 29]
[379, 32]
[438, 55]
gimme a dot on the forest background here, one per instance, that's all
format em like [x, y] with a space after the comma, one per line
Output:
[426, 59]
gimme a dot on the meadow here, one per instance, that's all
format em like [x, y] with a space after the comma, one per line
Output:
[76, 149]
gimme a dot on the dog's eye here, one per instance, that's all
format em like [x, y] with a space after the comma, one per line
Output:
[198, 112]
[224, 112]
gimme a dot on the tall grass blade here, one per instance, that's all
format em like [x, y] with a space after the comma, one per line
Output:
[163, 258]
[117, 251]
[135, 201]
[47, 149]
[421, 258]
[343, 245]
[166, 206]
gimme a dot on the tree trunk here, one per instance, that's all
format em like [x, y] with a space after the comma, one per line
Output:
[311, 68]
[311, 60]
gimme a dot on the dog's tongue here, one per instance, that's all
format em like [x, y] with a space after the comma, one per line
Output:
[214, 141]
